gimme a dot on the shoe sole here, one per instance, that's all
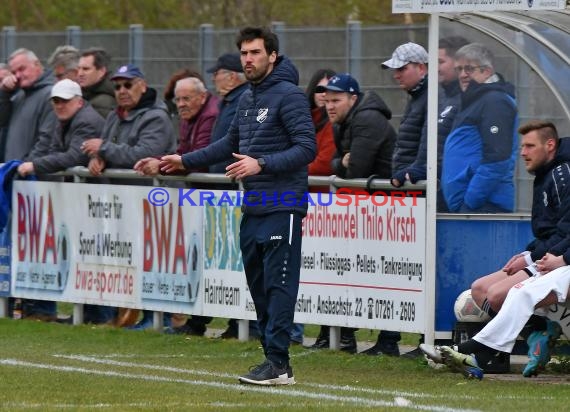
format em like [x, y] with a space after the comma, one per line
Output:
[268, 382]
[431, 353]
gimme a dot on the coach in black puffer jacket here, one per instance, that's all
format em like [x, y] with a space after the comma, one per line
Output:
[273, 123]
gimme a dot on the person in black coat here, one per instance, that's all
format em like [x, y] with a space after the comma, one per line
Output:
[363, 136]
[365, 141]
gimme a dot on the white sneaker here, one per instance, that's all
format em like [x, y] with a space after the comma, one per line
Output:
[432, 352]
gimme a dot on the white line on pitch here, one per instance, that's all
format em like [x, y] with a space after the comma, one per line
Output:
[242, 388]
[92, 359]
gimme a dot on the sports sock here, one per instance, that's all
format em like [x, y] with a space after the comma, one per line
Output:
[534, 323]
[486, 307]
[482, 353]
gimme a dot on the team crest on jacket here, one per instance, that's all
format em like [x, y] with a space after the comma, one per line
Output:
[262, 115]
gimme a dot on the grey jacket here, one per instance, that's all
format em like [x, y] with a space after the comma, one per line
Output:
[146, 131]
[29, 117]
[64, 149]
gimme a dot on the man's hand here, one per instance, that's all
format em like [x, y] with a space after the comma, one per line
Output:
[96, 166]
[516, 263]
[549, 262]
[345, 160]
[171, 163]
[396, 183]
[149, 166]
[244, 167]
[25, 169]
[9, 83]
[91, 147]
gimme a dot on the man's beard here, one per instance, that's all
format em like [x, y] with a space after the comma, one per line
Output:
[256, 76]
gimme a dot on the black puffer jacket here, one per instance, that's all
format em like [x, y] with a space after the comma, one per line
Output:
[368, 136]
[411, 126]
[273, 122]
[551, 205]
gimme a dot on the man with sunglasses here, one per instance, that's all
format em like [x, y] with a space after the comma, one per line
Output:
[479, 154]
[139, 127]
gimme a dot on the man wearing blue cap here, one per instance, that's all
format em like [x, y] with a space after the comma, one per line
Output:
[364, 139]
[363, 136]
[139, 127]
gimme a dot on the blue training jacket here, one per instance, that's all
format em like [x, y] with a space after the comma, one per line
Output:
[479, 154]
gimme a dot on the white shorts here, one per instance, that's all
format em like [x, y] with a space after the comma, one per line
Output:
[502, 331]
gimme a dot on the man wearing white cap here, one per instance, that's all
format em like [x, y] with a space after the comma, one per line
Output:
[77, 121]
[409, 64]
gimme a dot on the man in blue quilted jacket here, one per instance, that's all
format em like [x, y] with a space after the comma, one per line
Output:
[272, 140]
[479, 154]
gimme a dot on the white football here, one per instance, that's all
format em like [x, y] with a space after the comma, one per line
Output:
[466, 310]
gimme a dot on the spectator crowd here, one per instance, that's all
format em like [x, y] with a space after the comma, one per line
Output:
[80, 111]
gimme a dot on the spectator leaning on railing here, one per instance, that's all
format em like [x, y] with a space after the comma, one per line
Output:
[139, 127]
[364, 140]
[77, 121]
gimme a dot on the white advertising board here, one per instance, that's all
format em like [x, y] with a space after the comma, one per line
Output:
[363, 257]
[105, 244]
[458, 6]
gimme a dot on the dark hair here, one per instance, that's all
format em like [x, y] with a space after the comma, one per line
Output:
[178, 75]
[270, 40]
[101, 58]
[452, 43]
[315, 79]
[546, 130]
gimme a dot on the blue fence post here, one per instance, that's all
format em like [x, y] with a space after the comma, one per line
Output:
[9, 41]
[278, 27]
[207, 58]
[73, 36]
[354, 48]
[136, 45]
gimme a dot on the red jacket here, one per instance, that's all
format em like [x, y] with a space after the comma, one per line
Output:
[326, 148]
[195, 133]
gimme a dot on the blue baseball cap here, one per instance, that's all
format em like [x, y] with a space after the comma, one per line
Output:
[128, 71]
[340, 83]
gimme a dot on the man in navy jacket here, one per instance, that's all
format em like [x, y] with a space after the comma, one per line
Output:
[272, 139]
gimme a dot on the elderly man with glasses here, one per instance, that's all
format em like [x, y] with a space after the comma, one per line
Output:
[139, 127]
[479, 154]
